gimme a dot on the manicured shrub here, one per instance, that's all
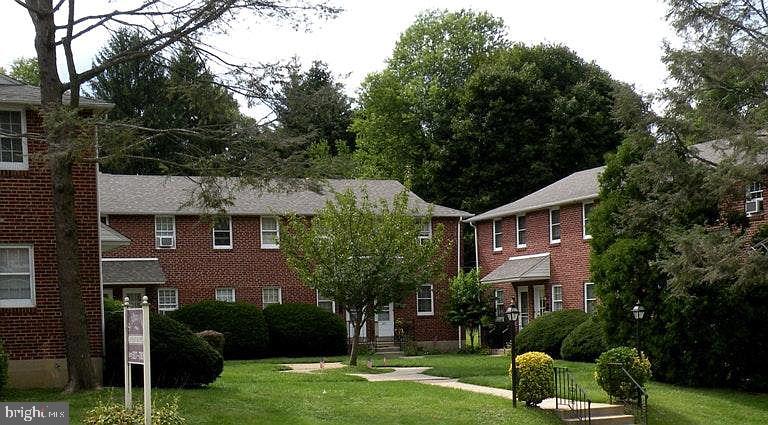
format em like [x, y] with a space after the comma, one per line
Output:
[304, 330]
[243, 326]
[214, 339]
[547, 332]
[535, 377]
[111, 413]
[112, 305]
[3, 369]
[585, 343]
[613, 380]
[179, 357]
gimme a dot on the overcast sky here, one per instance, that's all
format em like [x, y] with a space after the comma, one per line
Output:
[622, 36]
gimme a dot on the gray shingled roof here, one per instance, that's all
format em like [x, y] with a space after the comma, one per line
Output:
[131, 271]
[520, 269]
[13, 92]
[579, 186]
[125, 194]
[111, 238]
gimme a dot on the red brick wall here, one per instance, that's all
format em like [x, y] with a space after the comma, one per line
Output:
[26, 217]
[569, 259]
[196, 269]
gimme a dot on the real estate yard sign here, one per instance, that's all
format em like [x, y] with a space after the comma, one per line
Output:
[136, 343]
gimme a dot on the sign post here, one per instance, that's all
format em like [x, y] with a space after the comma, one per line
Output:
[137, 351]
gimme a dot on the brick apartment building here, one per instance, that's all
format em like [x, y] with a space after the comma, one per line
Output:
[175, 258]
[30, 317]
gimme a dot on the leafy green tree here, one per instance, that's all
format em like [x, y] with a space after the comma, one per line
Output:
[363, 253]
[469, 304]
[26, 70]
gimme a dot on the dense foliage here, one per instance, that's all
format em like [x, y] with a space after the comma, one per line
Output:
[612, 379]
[546, 333]
[304, 330]
[243, 326]
[25, 70]
[214, 339]
[111, 413]
[535, 374]
[585, 342]
[469, 305]
[179, 357]
[3, 368]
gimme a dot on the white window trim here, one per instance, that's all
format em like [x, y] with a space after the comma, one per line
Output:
[562, 304]
[559, 223]
[586, 300]
[333, 303]
[422, 237]
[495, 231]
[175, 291]
[24, 164]
[520, 291]
[261, 232]
[431, 311]
[213, 235]
[583, 220]
[752, 196]
[517, 231]
[25, 303]
[157, 245]
[279, 296]
[498, 302]
[216, 294]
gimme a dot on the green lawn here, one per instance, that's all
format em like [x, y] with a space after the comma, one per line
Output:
[668, 404]
[258, 393]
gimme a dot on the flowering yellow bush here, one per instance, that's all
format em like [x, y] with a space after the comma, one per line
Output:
[535, 377]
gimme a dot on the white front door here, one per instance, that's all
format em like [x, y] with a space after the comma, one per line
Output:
[134, 296]
[351, 325]
[539, 301]
[522, 304]
[385, 321]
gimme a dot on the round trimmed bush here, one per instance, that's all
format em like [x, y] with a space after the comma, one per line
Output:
[3, 368]
[613, 380]
[243, 326]
[179, 357]
[546, 333]
[304, 330]
[535, 377]
[585, 343]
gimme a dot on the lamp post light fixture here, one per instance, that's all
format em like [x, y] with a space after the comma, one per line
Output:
[638, 312]
[511, 315]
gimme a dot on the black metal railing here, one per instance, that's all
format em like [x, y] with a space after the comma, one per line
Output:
[637, 404]
[568, 393]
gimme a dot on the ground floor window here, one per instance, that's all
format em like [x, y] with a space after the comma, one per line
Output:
[590, 299]
[325, 303]
[17, 276]
[167, 299]
[225, 294]
[271, 296]
[425, 301]
[498, 299]
[557, 297]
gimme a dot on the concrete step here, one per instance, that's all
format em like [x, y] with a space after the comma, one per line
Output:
[605, 420]
[600, 410]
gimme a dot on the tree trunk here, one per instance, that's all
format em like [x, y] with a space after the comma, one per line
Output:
[357, 325]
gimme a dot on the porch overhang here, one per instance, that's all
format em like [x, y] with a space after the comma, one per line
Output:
[523, 268]
[111, 238]
[131, 272]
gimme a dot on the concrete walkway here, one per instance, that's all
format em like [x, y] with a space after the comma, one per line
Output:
[416, 374]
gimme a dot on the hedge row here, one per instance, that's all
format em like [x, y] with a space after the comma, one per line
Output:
[546, 333]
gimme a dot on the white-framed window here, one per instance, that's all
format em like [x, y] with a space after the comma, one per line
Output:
[754, 201]
[522, 305]
[554, 225]
[590, 299]
[326, 303]
[497, 235]
[225, 294]
[17, 276]
[425, 301]
[13, 144]
[586, 208]
[426, 232]
[165, 231]
[498, 302]
[167, 299]
[222, 233]
[520, 231]
[270, 232]
[272, 295]
[557, 297]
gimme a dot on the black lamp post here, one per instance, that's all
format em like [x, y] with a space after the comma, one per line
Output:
[511, 315]
[638, 312]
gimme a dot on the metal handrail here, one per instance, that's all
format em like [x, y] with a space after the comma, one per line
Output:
[639, 404]
[569, 393]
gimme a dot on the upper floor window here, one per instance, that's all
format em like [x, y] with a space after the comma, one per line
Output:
[590, 299]
[167, 299]
[326, 303]
[425, 302]
[165, 231]
[586, 209]
[426, 232]
[222, 233]
[521, 231]
[497, 234]
[754, 202]
[498, 300]
[17, 276]
[13, 144]
[225, 294]
[270, 231]
[271, 296]
[554, 225]
[557, 297]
